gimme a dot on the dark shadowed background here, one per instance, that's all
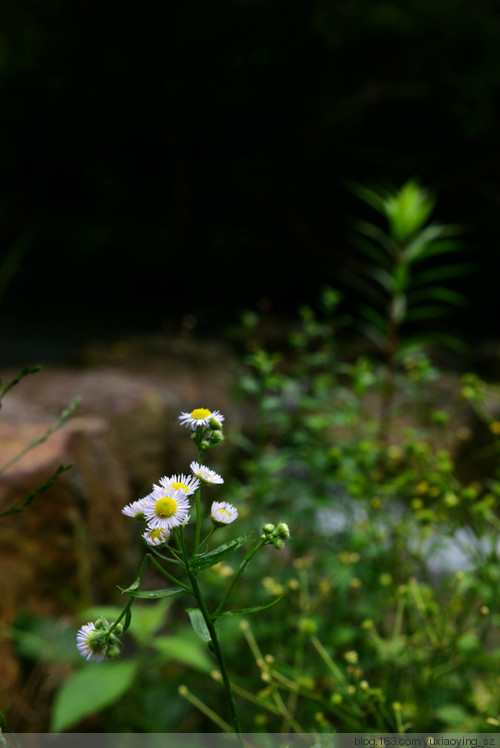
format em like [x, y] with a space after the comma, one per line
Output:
[184, 158]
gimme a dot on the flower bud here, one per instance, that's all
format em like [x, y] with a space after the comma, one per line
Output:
[283, 531]
[278, 543]
[217, 437]
[268, 528]
[215, 424]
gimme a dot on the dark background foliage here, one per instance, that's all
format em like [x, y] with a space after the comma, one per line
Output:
[164, 159]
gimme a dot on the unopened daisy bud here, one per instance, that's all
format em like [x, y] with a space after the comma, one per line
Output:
[215, 424]
[268, 528]
[216, 437]
[112, 652]
[278, 543]
[283, 531]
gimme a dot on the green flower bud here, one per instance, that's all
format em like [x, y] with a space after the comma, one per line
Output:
[112, 652]
[215, 424]
[278, 543]
[217, 437]
[268, 528]
[283, 531]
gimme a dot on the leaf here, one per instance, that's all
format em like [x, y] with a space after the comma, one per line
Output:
[377, 234]
[154, 594]
[453, 715]
[438, 293]
[93, 688]
[428, 311]
[24, 373]
[361, 285]
[441, 273]
[198, 624]
[218, 554]
[376, 319]
[426, 242]
[247, 611]
[185, 650]
[147, 619]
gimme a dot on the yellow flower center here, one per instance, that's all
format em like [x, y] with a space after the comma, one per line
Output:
[178, 486]
[156, 534]
[165, 507]
[223, 511]
[200, 413]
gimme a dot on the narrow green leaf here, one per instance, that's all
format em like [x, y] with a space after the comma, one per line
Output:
[376, 319]
[153, 594]
[247, 611]
[441, 273]
[24, 373]
[374, 196]
[91, 689]
[438, 293]
[213, 557]
[377, 234]
[385, 279]
[198, 624]
[428, 311]
[361, 285]
[370, 249]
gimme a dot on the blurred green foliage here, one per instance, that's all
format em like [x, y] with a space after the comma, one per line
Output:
[390, 615]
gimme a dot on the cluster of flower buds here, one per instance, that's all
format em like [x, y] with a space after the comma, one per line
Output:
[96, 642]
[275, 535]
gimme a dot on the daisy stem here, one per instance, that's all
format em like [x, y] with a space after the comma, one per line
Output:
[214, 641]
[197, 497]
[123, 613]
[205, 540]
[198, 518]
[251, 553]
[166, 574]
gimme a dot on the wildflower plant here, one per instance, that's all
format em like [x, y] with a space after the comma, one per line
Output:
[179, 527]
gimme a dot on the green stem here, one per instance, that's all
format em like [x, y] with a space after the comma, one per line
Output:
[167, 575]
[214, 640]
[123, 613]
[251, 553]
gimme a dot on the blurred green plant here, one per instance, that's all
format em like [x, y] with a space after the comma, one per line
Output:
[393, 618]
[25, 501]
[405, 270]
[392, 615]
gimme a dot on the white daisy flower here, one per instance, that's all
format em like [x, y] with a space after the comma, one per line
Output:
[134, 509]
[207, 476]
[223, 513]
[166, 508]
[188, 483]
[201, 417]
[155, 537]
[91, 644]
